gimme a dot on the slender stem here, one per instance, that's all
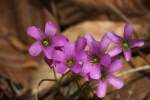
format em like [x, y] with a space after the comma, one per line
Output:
[36, 95]
[133, 71]
[68, 91]
[46, 80]
[55, 76]
[77, 83]
[77, 93]
[63, 76]
[60, 81]
[92, 91]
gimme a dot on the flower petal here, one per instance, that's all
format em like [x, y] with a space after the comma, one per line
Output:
[59, 40]
[127, 54]
[34, 32]
[80, 44]
[128, 30]
[115, 66]
[81, 57]
[137, 43]
[105, 41]
[115, 51]
[76, 68]
[101, 89]
[35, 49]
[89, 39]
[116, 82]
[87, 67]
[69, 48]
[95, 72]
[96, 47]
[48, 52]
[106, 60]
[50, 29]
[59, 56]
[61, 68]
[113, 37]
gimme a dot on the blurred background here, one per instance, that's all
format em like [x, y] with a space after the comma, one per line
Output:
[20, 73]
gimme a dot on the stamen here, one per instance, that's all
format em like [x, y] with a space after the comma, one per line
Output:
[46, 42]
[70, 63]
[125, 44]
[95, 59]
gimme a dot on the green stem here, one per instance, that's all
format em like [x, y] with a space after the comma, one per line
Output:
[77, 83]
[45, 80]
[55, 76]
[78, 92]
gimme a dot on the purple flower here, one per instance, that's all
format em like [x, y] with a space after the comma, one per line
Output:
[45, 41]
[107, 77]
[125, 43]
[96, 56]
[71, 57]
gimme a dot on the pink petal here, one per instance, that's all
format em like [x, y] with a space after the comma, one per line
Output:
[34, 32]
[89, 39]
[105, 41]
[115, 66]
[128, 30]
[48, 52]
[76, 68]
[87, 67]
[61, 68]
[69, 48]
[80, 44]
[115, 51]
[102, 88]
[50, 29]
[59, 56]
[35, 49]
[106, 60]
[137, 43]
[95, 72]
[127, 54]
[95, 47]
[113, 37]
[116, 82]
[59, 40]
[80, 57]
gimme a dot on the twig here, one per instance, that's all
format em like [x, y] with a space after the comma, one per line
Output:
[14, 88]
[118, 12]
[23, 18]
[133, 71]
[143, 56]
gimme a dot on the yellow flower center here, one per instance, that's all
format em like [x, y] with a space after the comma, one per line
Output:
[125, 44]
[46, 42]
[95, 60]
[70, 63]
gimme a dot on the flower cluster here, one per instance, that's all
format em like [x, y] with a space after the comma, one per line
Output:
[86, 56]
